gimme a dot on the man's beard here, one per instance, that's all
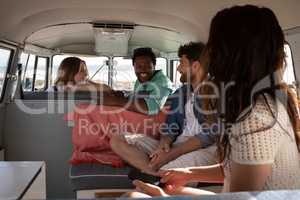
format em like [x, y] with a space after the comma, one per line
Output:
[185, 78]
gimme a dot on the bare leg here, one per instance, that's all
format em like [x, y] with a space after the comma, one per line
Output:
[131, 154]
[136, 194]
[188, 191]
[152, 190]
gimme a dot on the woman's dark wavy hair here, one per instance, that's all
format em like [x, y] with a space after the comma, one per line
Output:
[246, 47]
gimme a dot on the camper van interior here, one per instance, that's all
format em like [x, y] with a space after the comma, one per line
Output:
[41, 146]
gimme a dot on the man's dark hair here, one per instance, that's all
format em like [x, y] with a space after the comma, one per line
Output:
[145, 51]
[192, 51]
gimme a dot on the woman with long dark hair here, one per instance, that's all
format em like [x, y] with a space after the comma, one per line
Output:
[258, 137]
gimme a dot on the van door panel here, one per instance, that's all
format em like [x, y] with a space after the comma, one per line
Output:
[41, 137]
[2, 114]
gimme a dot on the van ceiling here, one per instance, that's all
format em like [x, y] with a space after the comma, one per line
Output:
[187, 20]
[80, 39]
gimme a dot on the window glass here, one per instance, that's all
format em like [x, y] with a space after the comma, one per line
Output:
[176, 74]
[94, 64]
[29, 71]
[4, 62]
[161, 63]
[23, 60]
[288, 75]
[98, 68]
[40, 74]
[124, 76]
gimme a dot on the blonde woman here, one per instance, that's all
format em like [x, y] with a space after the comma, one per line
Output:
[73, 75]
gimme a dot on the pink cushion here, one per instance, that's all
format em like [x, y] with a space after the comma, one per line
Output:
[93, 126]
[104, 157]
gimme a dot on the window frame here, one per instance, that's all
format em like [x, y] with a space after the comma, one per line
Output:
[173, 68]
[12, 52]
[36, 57]
[24, 68]
[35, 69]
[25, 71]
[112, 68]
[50, 66]
[167, 66]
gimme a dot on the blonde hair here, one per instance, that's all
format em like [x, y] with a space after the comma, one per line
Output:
[67, 70]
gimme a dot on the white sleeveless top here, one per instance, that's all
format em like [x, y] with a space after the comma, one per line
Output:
[272, 146]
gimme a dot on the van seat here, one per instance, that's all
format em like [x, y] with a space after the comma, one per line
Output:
[97, 176]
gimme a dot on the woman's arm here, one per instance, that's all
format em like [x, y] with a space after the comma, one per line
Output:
[92, 87]
[249, 177]
[209, 174]
[181, 176]
[100, 86]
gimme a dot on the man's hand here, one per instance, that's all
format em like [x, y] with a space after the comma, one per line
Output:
[162, 158]
[164, 146]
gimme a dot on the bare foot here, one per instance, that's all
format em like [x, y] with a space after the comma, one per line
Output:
[149, 189]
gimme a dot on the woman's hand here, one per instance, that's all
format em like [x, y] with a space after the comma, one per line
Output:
[149, 189]
[175, 177]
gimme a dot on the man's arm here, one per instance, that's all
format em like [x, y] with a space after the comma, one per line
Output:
[89, 86]
[165, 143]
[149, 104]
[116, 98]
[188, 146]
[171, 128]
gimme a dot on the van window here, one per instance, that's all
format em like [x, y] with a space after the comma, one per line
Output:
[289, 74]
[34, 72]
[123, 72]
[176, 74]
[161, 63]
[29, 72]
[23, 60]
[97, 67]
[40, 74]
[4, 62]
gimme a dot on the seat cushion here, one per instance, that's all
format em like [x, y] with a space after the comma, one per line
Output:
[97, 176]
